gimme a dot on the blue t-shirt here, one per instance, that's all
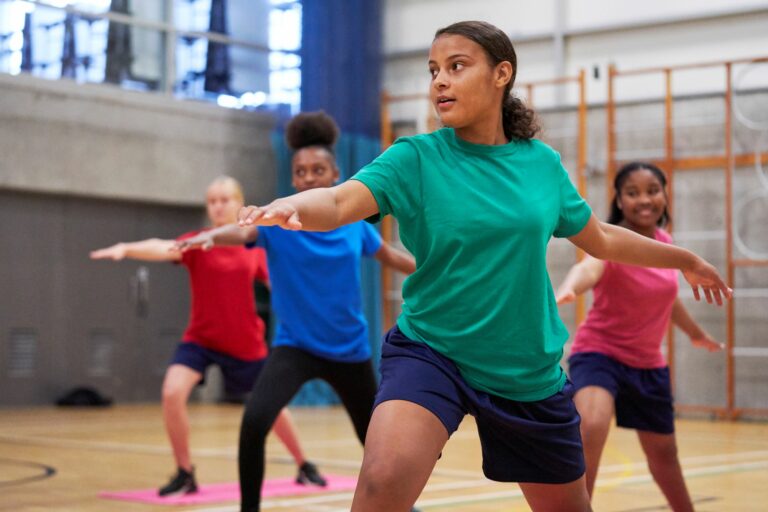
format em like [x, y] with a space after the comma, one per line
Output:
[316, 288]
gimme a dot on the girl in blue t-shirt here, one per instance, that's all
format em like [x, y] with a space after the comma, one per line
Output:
[316, 295]
[476, 204]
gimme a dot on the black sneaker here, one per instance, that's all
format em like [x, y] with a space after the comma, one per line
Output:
[182, 483]
[309, 475]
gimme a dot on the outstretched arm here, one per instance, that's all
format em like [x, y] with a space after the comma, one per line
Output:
[582, 277]
[320, 209]
[153, 249]
[231, 234]
[699, 337]
[610, 242]
[395, 258]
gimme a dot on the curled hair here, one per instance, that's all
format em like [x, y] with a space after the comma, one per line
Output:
[616, 215]
[518, 120]
[311, 129]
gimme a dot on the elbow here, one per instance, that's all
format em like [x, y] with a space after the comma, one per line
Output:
[600, 245]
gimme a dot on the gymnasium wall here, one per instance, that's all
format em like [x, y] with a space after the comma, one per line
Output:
[101, 141]
[590, 34]
[83, 167]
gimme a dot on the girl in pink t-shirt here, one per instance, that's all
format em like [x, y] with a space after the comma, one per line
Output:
[616, 363]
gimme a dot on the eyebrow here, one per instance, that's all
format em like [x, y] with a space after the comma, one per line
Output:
[454, 56]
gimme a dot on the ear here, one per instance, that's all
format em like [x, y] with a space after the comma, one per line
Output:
[503, 73]
[618, 204]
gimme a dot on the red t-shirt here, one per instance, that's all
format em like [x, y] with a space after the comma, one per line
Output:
[223, 316]
[630, 313]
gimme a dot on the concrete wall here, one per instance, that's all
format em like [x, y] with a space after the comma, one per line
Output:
[99, 141]
[85, 166]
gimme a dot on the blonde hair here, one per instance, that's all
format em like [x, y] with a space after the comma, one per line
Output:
[235, 186]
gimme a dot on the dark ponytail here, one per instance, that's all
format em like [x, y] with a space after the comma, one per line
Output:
[519, 121]
[616, 215]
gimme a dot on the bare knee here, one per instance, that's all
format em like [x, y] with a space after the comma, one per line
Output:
[379, 478]
[662, 453]
[174, 395]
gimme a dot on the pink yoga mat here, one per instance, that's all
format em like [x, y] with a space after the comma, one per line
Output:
[219, 493]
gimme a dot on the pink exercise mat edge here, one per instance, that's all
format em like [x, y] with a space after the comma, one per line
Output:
[228, 492]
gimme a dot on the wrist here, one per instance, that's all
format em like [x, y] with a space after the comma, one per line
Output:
[690, 261]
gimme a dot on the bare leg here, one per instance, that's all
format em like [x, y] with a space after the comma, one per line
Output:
[570, 497]
[286, 431]
[596, 407]
[402, 445]
[177, 385]
[661, 452]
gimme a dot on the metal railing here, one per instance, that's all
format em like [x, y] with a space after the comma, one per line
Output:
[171, 81]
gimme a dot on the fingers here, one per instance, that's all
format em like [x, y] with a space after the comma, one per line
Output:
[718, 296]
[249, 215]
[293, 222]
[275, 214]
[708, 295]
[696, 295]
[103, 254]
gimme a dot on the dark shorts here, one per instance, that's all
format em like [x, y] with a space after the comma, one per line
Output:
[643, 397]
[521, 441]
[239, 375]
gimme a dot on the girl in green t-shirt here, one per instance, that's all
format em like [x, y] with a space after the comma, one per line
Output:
[477, 203]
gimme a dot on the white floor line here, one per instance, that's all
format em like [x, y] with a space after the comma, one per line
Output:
[615, 482]
[498, 495]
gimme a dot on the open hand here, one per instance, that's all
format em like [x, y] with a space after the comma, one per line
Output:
[706, 342]
[115, 253]
[565, 297]
[277, 213]
[703, 275]
[200, 241]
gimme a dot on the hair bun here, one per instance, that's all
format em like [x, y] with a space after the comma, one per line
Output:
[311, 129]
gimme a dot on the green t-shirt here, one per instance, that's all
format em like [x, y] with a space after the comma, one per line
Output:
[478, 219]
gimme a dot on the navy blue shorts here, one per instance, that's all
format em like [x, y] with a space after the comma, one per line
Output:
[239, 375]
[521, 441]
[643, 397]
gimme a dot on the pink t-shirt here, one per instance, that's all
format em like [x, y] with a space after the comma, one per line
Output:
[630, 313]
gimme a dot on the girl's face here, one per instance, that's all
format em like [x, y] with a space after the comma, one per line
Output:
[466, 89]
[313, 167]
[642, 199]
[222, 201]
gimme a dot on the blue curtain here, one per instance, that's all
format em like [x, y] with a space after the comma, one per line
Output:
[217, 71]
[69, 52]
[340, 74]
[26, 49]
[119, 53]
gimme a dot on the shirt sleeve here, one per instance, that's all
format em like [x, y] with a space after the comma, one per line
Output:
[574, 210]
[390, 178]
[371, 239]
[261, 238]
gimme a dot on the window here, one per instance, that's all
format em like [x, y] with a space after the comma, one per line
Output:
[258, 60]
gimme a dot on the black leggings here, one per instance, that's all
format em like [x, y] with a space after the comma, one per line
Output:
[285, 371]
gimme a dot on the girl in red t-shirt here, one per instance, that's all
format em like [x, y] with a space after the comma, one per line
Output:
[223, 329]
[616, 362]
